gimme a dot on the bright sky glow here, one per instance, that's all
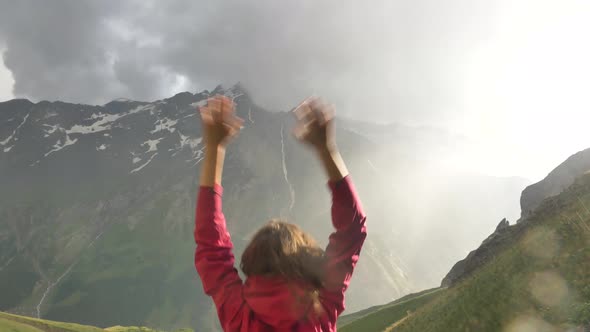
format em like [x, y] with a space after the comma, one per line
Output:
[526, 91]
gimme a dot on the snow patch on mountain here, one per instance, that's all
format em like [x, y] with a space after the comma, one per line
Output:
[104, 121]
[59, 145]
[165, 124]
[197, 154]
[101, 124]
[234, 96]
[50, 131]
[191, 142]
[199, 103]
[144, 165]
[153, 144]
[4, 142]
[233, 92]
[50, 114]
[197, 158]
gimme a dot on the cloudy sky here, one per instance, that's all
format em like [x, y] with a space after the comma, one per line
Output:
[512, 77]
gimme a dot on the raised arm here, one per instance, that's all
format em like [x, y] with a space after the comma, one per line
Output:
[344, 246]
[316, 128]
[214, 259]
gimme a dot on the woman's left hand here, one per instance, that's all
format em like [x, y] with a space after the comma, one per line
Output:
[220, 123]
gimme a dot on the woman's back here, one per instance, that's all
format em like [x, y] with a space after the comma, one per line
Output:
[277, 300]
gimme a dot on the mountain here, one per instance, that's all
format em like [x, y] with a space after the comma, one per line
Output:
[97, 207]
[529, 276]
[555, 182]
[532, 196]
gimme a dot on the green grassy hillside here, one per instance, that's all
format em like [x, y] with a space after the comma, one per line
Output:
[381, 317]
[540, 282]
[15, 323]
[9, 322]
[12, 326]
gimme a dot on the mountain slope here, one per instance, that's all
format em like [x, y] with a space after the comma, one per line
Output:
[97, 206]
[530, 276]
[538, 281]
[556, 181]
[382, 317]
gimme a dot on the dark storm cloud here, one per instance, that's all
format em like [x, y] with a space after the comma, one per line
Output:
[70, 50]
[378, 55]
[56, 51]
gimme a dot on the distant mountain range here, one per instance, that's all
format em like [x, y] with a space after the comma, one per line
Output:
[97, 206]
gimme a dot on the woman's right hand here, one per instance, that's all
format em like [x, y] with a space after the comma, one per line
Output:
[219, 121]
[315, 124]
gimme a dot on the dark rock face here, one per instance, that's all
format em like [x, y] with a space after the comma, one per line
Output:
[502, 225]
[502, 236]
[554, 183]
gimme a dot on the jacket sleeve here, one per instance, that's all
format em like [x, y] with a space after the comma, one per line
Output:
[344, 245]
[214, 259]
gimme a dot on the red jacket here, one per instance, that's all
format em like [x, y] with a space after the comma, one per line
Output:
[273, 304]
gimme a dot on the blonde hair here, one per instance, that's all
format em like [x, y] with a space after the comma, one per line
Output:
[283, 249]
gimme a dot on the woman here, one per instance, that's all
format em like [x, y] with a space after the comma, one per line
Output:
[292, 284]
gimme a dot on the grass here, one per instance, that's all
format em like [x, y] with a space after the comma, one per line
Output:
[381, 317]
[7, 325]
[343, 320]
[26, 324]
[15, 323]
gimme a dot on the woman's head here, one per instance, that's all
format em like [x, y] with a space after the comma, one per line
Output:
[281, 248]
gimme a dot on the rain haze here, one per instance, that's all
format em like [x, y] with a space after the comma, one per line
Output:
[509, 77]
